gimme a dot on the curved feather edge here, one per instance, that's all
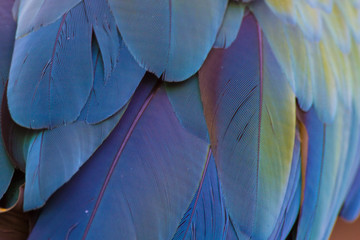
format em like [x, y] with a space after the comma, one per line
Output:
[284, 9]
[339, 30]
[320, 183]
[242, 110]
[120, 85]
[350, 13]
[51, 88]
[351, 208]
[325, 5]
[291, 203]
[354, 57]
[185, 100]
[347, 174]
[32, 15]
[309, 20]
[60, 152]
[165, 26]
[230, 26]
[160, 180]
[206, 216]
[48, 87]
[274, 30]
[307, 65]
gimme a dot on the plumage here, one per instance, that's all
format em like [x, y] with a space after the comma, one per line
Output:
[42, 157]
[7, 33]
[120, 85]
[174, 28]
[243, 111]
[351, 207]
[309, 20]
[230, 26]
[178, 119]
[32, 15]
[159, 173]
[43, 92]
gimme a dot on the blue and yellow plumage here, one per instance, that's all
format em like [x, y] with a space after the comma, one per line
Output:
[169, 119]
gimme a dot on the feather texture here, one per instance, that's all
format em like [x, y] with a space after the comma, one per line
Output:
[33, 14]
[170, 33]
[120, 85]
[45, 90]
[243, 112]
[159, 173]
[7, 33]
[325, 162]
[42, 157]
[180, 119]
[285, 9]
[231, 25]
[55, 86]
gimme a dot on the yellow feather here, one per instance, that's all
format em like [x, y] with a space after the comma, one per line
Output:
[284, 9]
[309, 20]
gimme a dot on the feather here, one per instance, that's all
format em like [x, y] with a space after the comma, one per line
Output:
[156, 184]
[338, 29]
[244, 110]
[7, 33]
[172, 30]
[39, 154]
[309, 20]
[49, 89]
[206, 217]
[303, 71]
[335, 64]
[34, 14]
[55, 86]
[325, 159]
[354, 57]
[231, 25]
[351, 16]
[323, 83]
[275, 31]
[284, 9]
[244, 127]
[185, 100]
[290, 206]
[108, 39]
[42, 157]
[347, 170]
[121, 85]
[351, 208]
[325, 5]
[307, 65]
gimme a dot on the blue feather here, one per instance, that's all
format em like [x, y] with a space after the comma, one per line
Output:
[152, 187]
[48, 86]
[7, 33]
[120, 85]
[206, 216]
[243, 113]
[164, 35]
[351, 208]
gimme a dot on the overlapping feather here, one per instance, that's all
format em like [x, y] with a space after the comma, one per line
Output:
[247, 101]
[7, 33]
[76, 65]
